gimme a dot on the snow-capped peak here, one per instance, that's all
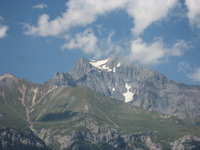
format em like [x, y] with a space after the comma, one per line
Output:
[101, 64]
[108, 64]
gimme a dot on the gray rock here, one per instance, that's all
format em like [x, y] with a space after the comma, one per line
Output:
[188, 142]
[17, 139]
[103, 136]
[61, 79]
[147, 88]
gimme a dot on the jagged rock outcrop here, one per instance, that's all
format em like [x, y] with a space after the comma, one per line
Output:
[15, 139]
[187, 142]
[100, 137]
[137, 85]
[61, 78]
[8, 79]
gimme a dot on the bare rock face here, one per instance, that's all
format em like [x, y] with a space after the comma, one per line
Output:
[139, 86]
[95, 137]
[17, 139]
[188, 142]
[8, 79]
[61, 78]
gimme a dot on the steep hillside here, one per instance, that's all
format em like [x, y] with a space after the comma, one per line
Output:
[78, 118]
[137, 85]
[13, 139]
[17, 97]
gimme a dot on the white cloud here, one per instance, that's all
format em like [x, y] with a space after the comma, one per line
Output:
[193, 12]
[86, 41]
[195, 76]
[79, 13]
[84, 12]
[45, 27]
[107, 45]
[179, 48]
[148, 11]
[155, 52]
[3, 28]
[146, 53]
[40, 6]
[184, 67]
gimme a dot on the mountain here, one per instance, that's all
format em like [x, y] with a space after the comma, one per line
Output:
[68, 117]
[140, 86]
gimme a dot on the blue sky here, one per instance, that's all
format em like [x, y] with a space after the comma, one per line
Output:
[39, 38]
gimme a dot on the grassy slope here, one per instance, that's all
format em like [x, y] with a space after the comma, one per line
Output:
[12, 111]
[11, 108]
[65, 108]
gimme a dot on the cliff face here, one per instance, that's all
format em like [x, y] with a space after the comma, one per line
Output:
[20, 140]
[100, 137]
[139, 86]
[188, 142]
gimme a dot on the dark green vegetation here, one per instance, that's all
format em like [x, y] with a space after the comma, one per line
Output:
[75, 117]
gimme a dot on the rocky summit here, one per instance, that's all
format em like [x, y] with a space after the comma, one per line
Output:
[138, 85]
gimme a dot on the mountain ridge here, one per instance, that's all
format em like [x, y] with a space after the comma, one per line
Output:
[79, 118]
[139, 86]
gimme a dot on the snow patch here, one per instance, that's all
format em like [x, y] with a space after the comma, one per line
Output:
[118, 65]
[113, 89]
[128, 95]
[165, 116]
[101, 64]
